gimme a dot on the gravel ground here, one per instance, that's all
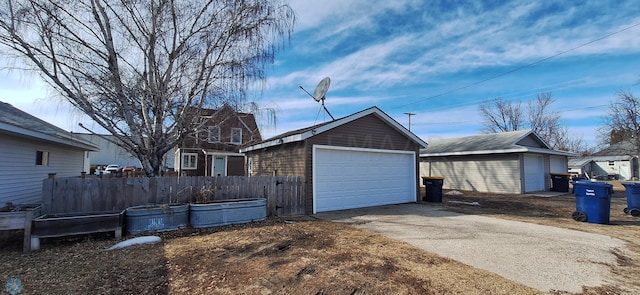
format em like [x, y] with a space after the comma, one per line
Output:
[547, 258]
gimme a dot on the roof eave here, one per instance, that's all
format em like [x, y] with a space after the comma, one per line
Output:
[334, 124]
[517, 149]
[53, 138]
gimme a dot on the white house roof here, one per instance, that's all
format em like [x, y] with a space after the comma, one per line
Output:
[522, 141]
[304, 133]
[18, 123]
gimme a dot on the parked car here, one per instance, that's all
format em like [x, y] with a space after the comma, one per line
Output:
[129, 168]
[113, 168]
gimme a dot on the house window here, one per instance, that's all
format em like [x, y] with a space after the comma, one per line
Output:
[42, 158]
[236, 135]
[214, 134]
[612, 163]
[250, 166]
[189, 161]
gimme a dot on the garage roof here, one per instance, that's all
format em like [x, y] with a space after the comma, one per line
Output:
[18, 123]
[304, 133]
[521, 141]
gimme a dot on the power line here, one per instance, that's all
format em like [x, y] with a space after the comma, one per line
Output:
[519, 68]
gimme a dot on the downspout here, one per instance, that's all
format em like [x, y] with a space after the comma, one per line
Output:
[206, 162]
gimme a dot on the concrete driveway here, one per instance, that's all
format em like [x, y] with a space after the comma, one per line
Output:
[543, 257]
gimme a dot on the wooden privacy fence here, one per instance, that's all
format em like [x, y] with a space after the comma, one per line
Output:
[284, 194]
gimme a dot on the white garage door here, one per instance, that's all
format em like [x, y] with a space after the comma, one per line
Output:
[346, 178]
[533, 173]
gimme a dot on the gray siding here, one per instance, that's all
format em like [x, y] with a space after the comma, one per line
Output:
[491, 173]
[530, 142]
[20, 177]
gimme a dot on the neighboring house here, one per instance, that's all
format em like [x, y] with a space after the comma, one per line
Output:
[214, 150]
[509, 162]
[618, 161]
[110, 153]
[31, 149]
[581, 167]
[361, 160]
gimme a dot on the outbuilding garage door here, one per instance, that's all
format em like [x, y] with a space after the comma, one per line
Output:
[346, 178]
[533, 173]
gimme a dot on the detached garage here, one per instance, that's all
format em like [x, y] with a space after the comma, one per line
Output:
[510, 162]
[361, 160]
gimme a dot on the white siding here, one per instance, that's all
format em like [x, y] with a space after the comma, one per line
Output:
[558, 164]
[616, 169]
[491, 173]
[110, 153]
[20, 177]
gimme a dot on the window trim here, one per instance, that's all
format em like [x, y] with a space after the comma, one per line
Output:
[232, 136]
[183, 162]
[210, 137]
[42, 158]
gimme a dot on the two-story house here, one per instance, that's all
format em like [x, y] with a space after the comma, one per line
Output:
[214, 149]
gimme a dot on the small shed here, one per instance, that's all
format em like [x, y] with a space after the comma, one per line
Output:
[509, 162]
[361, 160]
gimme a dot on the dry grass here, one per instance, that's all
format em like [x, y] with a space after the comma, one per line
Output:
[304, 257]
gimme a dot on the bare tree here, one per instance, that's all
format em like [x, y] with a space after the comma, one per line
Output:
[136, 67]
[501, 116]
[622, 123]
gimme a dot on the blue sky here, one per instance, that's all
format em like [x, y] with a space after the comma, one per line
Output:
[437, 59]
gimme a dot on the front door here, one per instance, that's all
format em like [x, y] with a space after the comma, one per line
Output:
[219, 166]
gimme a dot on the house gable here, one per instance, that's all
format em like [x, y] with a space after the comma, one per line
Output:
[215, 146]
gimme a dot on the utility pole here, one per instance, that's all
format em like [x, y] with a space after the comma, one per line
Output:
[410, 114]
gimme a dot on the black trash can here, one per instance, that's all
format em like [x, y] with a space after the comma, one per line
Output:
[433, 188]
[560, 182]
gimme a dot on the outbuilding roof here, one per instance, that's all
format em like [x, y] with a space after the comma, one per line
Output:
[624, 148]
[520, 141]
[304, 133]
[18, 123]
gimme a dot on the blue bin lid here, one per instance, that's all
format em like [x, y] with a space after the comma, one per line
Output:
[631, 184]
[592, 183]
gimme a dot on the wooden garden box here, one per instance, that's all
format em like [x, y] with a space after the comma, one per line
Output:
[68, 224]
[19, 217]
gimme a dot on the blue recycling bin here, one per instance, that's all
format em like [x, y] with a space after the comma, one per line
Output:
[632, 189]
[593, 201]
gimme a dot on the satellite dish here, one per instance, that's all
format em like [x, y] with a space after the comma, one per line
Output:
[320, 92]
[321, 89]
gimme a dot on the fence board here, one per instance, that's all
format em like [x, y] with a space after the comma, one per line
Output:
[284, 194]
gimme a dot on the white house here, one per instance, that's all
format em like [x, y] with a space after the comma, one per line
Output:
[110, 153]
[31, 149]
[618, 161]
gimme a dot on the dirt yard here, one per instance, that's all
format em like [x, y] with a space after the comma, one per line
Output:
[298, 256]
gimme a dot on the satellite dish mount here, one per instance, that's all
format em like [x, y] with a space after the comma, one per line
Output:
[320, 93]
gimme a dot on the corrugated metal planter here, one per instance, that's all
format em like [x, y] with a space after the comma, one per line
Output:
[156, 218]
[227, 212]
